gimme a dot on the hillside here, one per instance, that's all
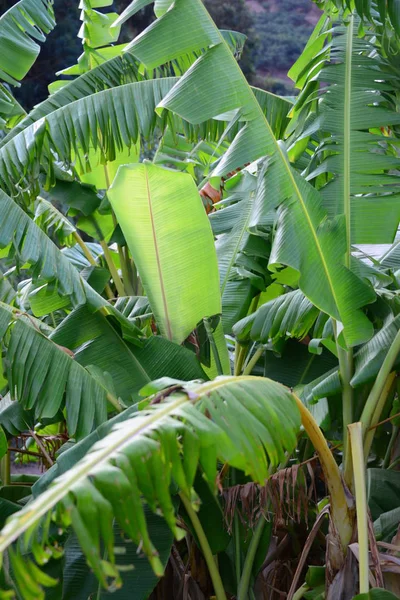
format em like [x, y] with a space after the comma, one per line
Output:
[282, 28]
[277, 32]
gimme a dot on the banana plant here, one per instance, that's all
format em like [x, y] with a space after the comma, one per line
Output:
[123, 301]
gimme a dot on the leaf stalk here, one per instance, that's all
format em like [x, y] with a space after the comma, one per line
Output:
[243, 589]
[205, 547]
[356, 441]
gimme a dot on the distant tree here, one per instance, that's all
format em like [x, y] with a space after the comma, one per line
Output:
[278, 46]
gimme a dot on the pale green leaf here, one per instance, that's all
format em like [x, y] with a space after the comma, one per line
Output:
[162, 217]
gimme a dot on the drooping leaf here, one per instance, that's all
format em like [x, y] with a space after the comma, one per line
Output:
[289, 315]
[14, 418]
[250, 423]
[21, 25]
[120, 115]
[95, 341]
[41, 374]
[32, 246]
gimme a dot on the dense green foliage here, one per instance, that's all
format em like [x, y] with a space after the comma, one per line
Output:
[269, 53]
[199, 313]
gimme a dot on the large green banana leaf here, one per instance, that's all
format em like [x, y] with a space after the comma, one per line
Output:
[354, 107]
[20, 26]
[41, 374]
[95, 341]
[163, 219]
[289, 315]
[123, 69]
[29, 245]
[250, 423]
[32, 246]
[122, 115]
[302, 240]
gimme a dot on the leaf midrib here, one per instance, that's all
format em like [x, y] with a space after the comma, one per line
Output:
[290, 174]
[57, 493]
[347, 139]
[159, 270]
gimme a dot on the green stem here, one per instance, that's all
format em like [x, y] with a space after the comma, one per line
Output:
[386, 460]
[112, 268]
[356, 440]
[214, 349]
[5, 469]
[346, 370]
[241, 351]
[205, 547]
[394, 464]
[239, 359]
[300, 592]
[369, 435]
[377, 388]
[85, 249]
[91, 259]
[133, 274]
[122, 257]
[243, 589]
[125, 272]
[254, 360]
[237, 351]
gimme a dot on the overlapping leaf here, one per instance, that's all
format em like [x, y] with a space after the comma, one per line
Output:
[41, 375]
[30, 245]
[21, 25]
[302, 239]
[289, 315]
[248, 422]
[354, 107]
[95, 341]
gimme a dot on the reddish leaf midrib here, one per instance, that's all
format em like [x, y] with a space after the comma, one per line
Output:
[164, 299]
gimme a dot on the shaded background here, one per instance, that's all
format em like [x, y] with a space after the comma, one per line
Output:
[277, 32]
